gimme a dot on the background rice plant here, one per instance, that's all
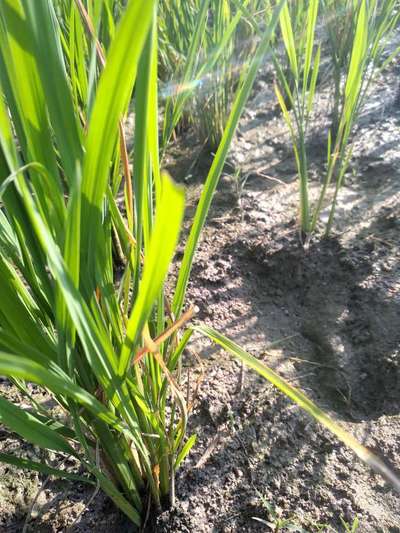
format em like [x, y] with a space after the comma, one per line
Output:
[205, 47]
[357, 33]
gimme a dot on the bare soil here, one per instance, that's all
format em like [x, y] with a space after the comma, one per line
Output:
[326, 318]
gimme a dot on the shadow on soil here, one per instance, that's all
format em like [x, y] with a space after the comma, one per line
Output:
[336, 302]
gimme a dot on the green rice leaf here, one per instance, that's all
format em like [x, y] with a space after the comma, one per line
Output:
[185, 450]
[30, 428]
[42, 468]
[311, 22]
[12, 365]
[305, 403]
[288, 39]
[112, 96]
[159, 255]
[50, 60]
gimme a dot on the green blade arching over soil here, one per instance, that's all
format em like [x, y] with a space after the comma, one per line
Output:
[305, 403]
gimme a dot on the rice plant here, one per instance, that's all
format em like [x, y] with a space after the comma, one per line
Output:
[357, 34]
[205, 47]
[84, 313]
[299, 89]
[64, 325]
[373, 23]
[103, 342]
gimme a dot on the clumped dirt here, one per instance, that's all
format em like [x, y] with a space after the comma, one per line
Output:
[326, 318]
